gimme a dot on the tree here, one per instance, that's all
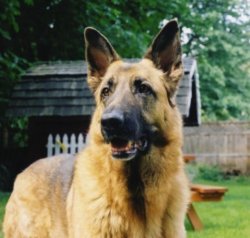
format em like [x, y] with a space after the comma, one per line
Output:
[11, 65]
[220, 40]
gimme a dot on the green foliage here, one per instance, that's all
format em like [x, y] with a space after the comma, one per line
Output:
[211, 173]
[3, 200]
[19, 126]
[205, 172]
[11, 67]
[220, 41]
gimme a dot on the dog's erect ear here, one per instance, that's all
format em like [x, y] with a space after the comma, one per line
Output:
[165, 52]
[99, 55]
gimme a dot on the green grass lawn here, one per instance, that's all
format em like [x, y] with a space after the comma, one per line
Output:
[229, 218]
[3, 199]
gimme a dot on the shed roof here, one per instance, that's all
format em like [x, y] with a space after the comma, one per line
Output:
[59, 88]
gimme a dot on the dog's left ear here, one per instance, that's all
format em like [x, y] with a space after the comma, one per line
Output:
[165, 52]
[99, 55]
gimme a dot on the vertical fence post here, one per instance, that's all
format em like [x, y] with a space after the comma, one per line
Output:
[57, 144]
[50, 145]
[73, 145]
[80, 142]
[65, 145]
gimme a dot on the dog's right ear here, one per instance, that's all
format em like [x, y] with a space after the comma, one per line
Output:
[99, 55]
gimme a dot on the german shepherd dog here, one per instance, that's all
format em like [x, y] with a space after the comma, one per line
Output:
[129, 182]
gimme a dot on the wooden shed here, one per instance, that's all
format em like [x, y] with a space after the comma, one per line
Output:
[56, 99]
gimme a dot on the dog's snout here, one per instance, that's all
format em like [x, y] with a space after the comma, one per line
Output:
[112, 120]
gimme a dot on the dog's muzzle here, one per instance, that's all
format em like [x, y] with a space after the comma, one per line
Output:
[123, 135]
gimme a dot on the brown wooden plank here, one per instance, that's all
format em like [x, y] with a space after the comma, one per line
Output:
[198, 197]
[194, 219]
[188, 158]
[208, 188]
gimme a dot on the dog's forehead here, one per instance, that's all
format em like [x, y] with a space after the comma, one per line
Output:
[143, 68]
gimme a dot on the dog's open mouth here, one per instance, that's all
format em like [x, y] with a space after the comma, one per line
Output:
[127, 149]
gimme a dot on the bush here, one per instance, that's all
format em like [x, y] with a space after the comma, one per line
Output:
[205, 172]
[212, 173]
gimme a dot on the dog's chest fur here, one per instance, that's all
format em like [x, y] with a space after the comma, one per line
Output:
[117, 202]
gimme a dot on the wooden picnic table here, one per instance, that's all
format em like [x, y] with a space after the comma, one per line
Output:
[201, 193]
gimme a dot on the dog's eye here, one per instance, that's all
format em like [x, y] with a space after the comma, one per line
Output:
[105, 92]
[142, 87]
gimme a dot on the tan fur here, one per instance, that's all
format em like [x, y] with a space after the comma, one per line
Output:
[89, 197]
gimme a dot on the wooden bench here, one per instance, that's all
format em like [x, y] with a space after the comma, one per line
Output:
[201, 193]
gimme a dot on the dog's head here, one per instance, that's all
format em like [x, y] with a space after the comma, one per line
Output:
[135, 101]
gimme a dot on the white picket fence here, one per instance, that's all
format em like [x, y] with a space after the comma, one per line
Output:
[65, 144]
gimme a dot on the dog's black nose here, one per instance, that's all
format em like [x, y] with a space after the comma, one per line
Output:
[113, 120]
